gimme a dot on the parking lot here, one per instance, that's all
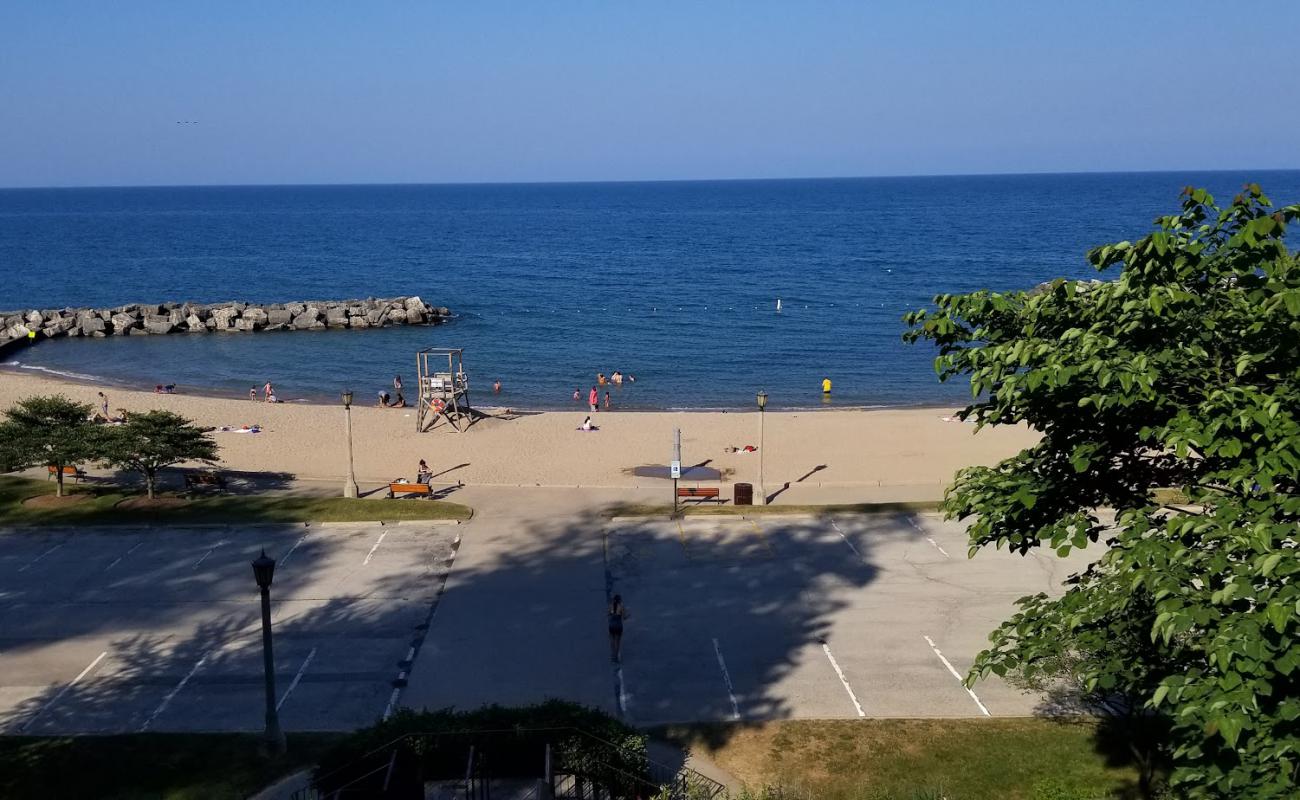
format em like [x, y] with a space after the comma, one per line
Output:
[776, 617]
[112, 631]
[729, 618]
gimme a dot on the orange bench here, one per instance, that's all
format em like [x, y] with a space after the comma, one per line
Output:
[701, 492]
[76, 473]
[395, 489]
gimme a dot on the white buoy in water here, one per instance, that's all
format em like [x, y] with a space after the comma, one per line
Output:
[778, 305]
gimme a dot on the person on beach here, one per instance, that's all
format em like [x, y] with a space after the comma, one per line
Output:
[607, 401]
[593, 398]
[586, 425]
[397, 384]
[616, 378]
[384, 397]
[268, 391]
[617, 614]
[252, 393]
[103, 405]
[577, 395]
[496, 387]
[826, 385]
[424, 474]
[600, 379]
[398, 402]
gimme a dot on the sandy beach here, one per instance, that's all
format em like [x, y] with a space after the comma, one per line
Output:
[825, 456]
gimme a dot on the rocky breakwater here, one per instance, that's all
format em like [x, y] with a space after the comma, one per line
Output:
[144, 318]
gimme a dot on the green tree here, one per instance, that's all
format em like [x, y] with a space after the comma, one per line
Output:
[1183, 371]
[52, 431]
[153, 440]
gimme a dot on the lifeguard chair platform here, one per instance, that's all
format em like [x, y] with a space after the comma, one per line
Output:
[444, 389]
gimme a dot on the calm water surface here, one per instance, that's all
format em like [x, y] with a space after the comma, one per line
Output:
[675, 283]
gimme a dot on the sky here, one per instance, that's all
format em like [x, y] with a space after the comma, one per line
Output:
[173, 92]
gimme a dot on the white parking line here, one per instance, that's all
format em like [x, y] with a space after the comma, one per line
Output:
[840, 673]
[301, 539]
[846, 539]
[294, 683]
[135, 547]
[63, 691]
[726, 677]
[29, 564]
[376, 547]
[204, 557]
[622, 692]
[956, 675]
[166, 701]
[912, 521]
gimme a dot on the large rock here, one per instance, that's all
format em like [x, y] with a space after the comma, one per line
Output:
[123, 322]
[278, 316]
[243, 324]
[336, 317]
[306, 322]
[295, 308]
[159, 325]
[224, 318]
[194, 324]
[255, 315]
[414, 316]
[92, 325]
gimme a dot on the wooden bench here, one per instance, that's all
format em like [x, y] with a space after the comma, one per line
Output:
[69, 471]
[701, 492]
[196, 480]
[395, 489]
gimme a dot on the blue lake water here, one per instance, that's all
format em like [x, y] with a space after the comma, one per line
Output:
[676, 283]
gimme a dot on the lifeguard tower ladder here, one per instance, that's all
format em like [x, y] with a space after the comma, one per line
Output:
[443, 394]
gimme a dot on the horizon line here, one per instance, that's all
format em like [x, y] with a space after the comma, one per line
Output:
[606, 182]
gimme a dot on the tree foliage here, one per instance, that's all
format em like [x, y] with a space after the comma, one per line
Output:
[1181, 372]
[53, 431]
[150, 441]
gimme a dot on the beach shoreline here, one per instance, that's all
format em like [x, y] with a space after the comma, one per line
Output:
[833, 455]
[100, 382]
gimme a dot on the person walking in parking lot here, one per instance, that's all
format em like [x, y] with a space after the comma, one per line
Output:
[617, 613]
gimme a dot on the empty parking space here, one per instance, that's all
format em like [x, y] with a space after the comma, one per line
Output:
[773, 617]
[109, 631]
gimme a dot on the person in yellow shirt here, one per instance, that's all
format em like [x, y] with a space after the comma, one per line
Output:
[826, 385]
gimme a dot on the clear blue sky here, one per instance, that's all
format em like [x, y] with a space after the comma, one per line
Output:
[346, 92]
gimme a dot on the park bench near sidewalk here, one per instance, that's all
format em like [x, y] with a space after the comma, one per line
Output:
[701, 493]
[399, 487]
[204, 479]
[69, 471]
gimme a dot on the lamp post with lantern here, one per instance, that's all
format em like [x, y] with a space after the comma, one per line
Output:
[349, 485]
[762, 446]
[263, 572]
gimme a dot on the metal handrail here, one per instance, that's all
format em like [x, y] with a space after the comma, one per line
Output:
[661, 775]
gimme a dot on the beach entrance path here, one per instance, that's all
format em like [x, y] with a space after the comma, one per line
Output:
[113, 630]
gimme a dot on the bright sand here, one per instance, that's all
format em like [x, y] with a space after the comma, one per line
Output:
[896, 454]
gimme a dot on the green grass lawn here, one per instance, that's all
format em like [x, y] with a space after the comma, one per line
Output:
[150, 765]
[903, 759]
[101, 507]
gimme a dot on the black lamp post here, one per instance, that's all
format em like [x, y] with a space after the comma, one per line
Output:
[762, 446]
[350, 484]
[263, 572]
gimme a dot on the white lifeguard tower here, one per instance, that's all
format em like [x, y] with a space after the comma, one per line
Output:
[442, 394]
